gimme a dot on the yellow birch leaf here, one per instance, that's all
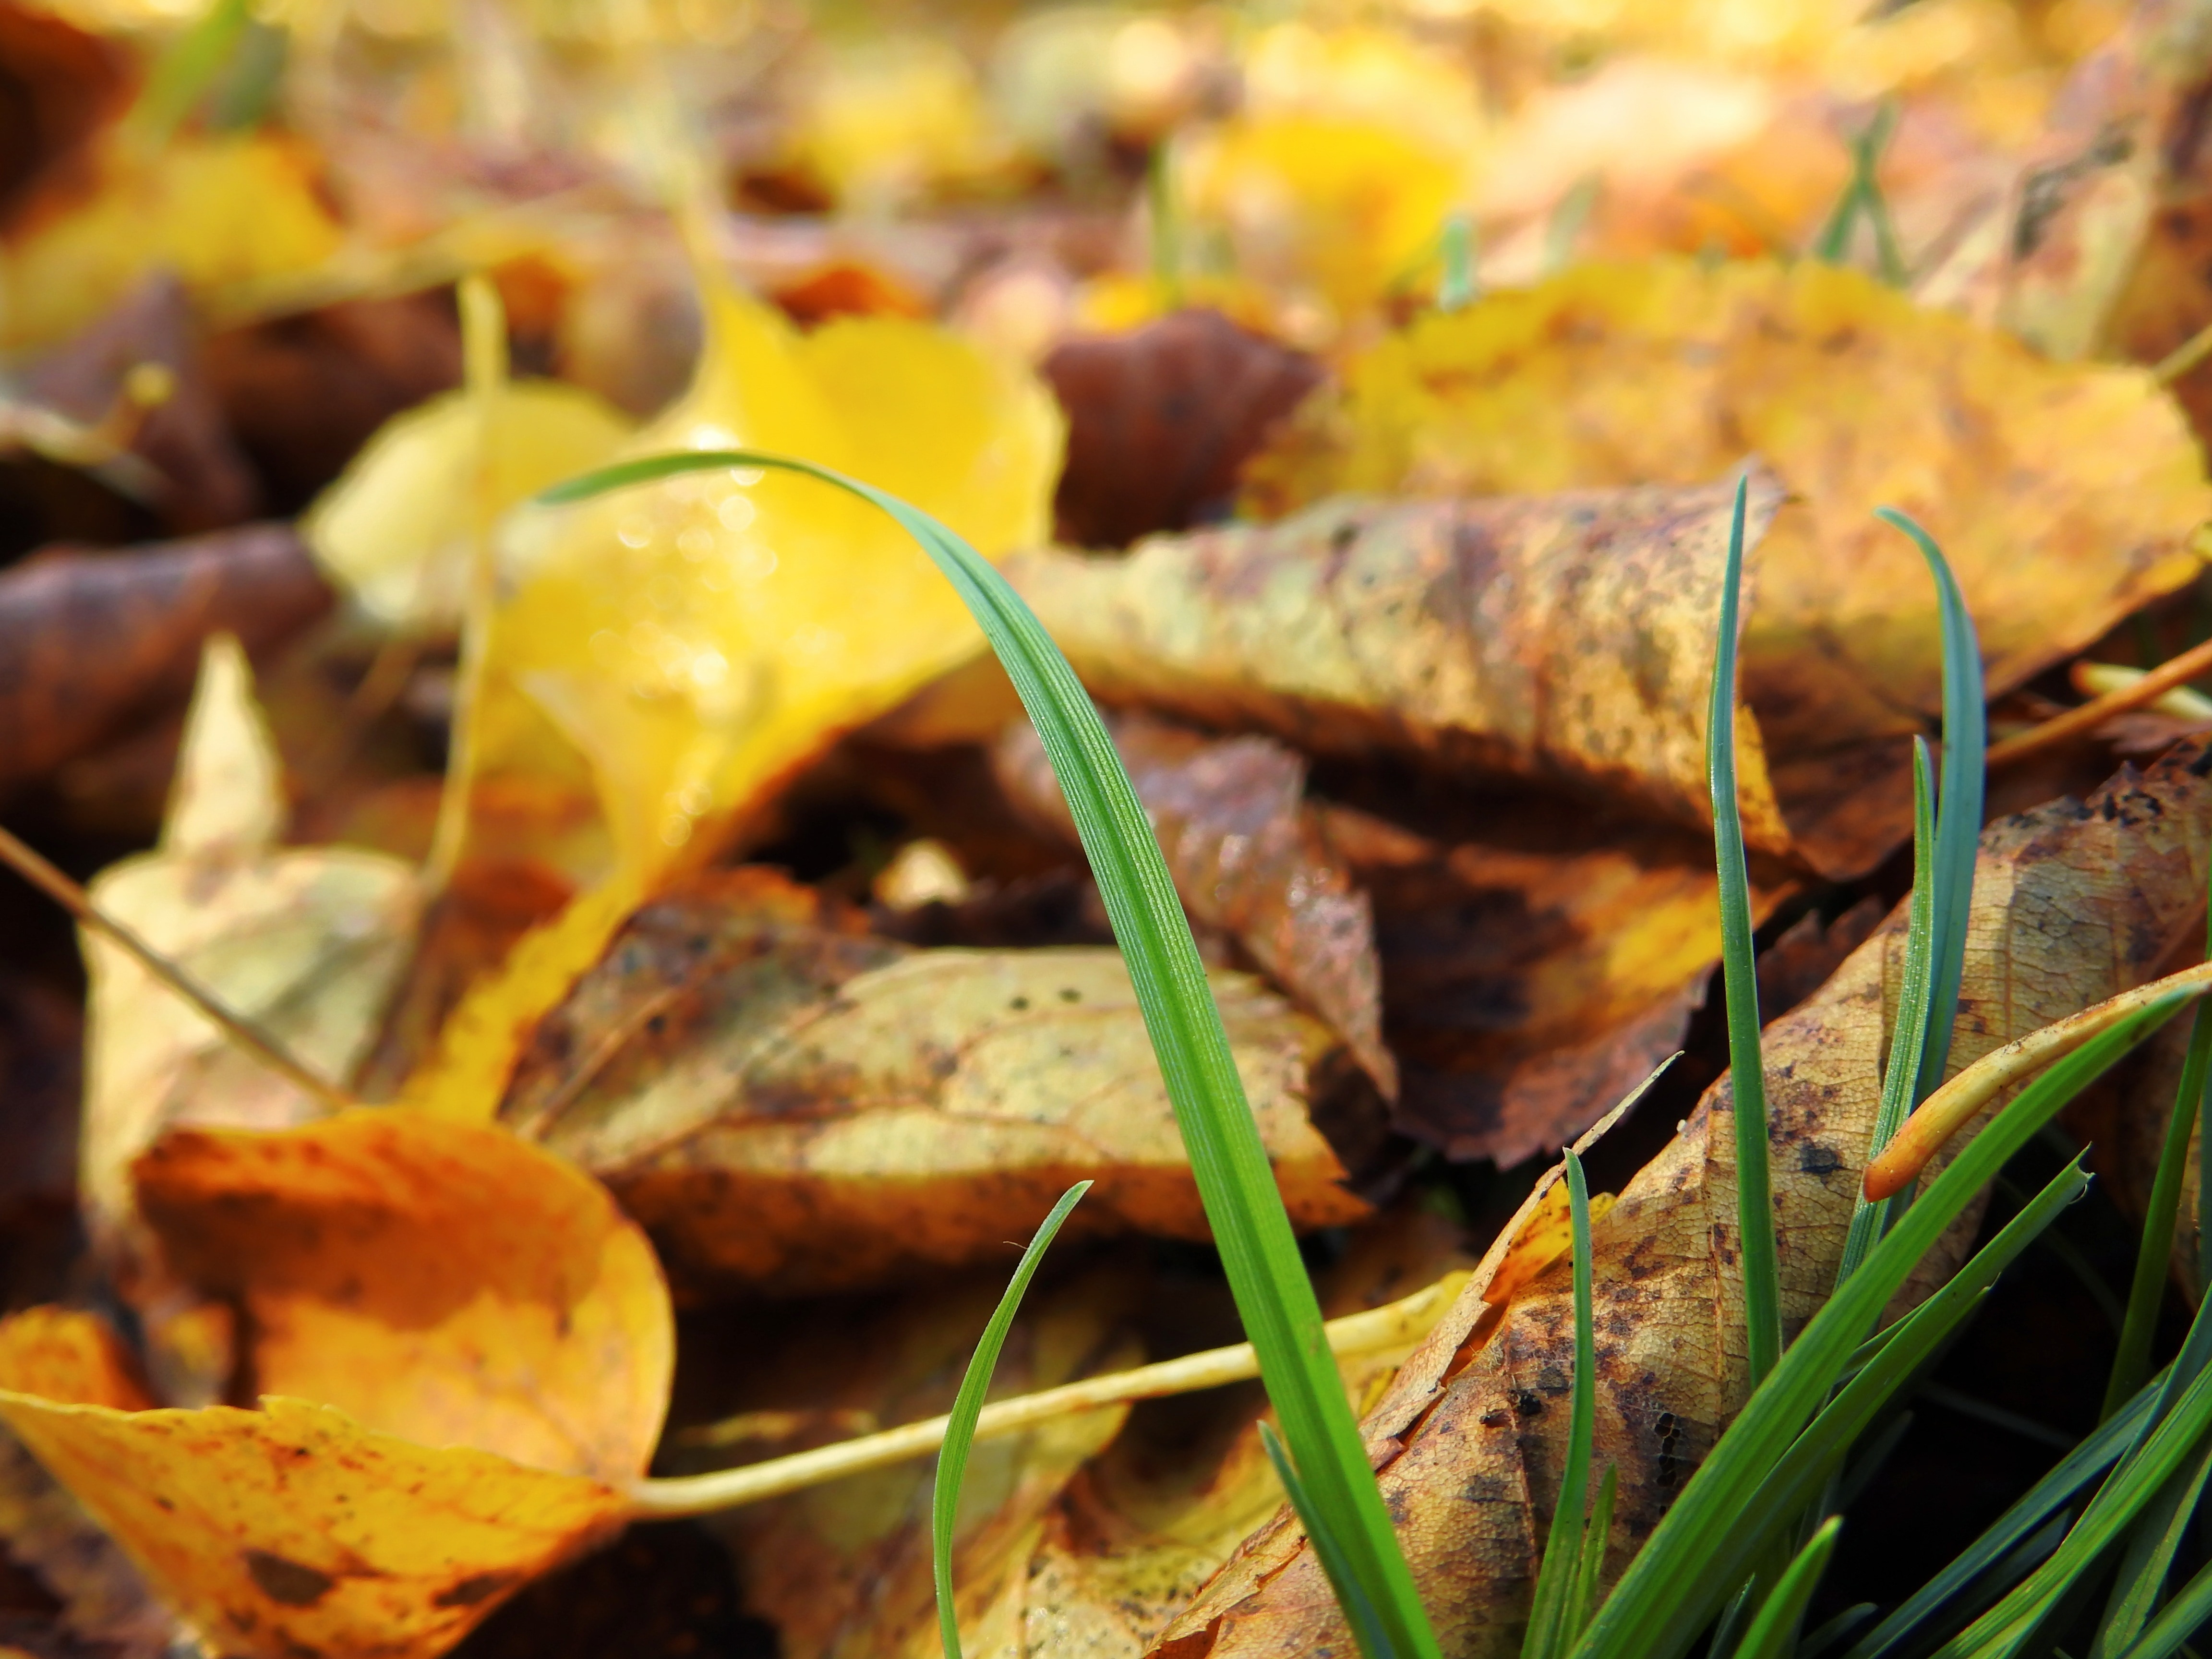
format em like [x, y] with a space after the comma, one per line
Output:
[396, 527]
[485, 1343]
[214, 210]
[304, 942]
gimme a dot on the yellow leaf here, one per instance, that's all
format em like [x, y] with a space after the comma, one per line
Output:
[214, 210]
[306, 943]
[395, 526]
[484, 1344]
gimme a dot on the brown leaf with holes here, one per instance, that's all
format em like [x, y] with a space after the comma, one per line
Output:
[1565, 637]
[788, 1103]
[2073, 901]
[1161, 420]
[464, 1352]
[1246, 856]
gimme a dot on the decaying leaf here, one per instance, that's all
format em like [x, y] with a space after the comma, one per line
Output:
[2073, 901]
[92, 643]
[1537, 963]
[791, 1104]
[1160, 420]
[306, 943]
[1568, 637]
[466, 1348]
[1246, 856]
[1669, 372]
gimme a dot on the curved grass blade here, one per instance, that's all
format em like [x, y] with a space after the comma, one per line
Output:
[1762, 1281]
[1774, 1632]
[1550, 1611]
[1909, 1038]
[2178, 1620]
[2153, 1255]
[1259, 1253]
[1667, 1592]
[1958, 803]
[1358, 1608]
[968, 1406]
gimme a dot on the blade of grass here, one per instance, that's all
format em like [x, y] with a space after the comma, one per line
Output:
[1457, 289]
[2153, 1255]
[1590, 1572]
[1732, 1620]
[1835, 1629]
[1358, 1610]
[186, 69]
[1667, 1594]
[1958, 803]
[2178, 1620]
[1549, 1610]
[1909, 1038]
[1762, 1283]
[2149, 1559]
[968, 1406]
[1774, 1632]
[1259, 1253]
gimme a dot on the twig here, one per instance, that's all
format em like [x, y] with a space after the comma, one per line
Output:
[1398, 1324]
[242, 1032]
[2155, 684]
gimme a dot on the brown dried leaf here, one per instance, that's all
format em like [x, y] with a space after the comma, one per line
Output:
[2073, 902]
[1668, 371]
[1568, 636]
[789, 1104]
[1161, 420]
[1246, 856]
[92, 643]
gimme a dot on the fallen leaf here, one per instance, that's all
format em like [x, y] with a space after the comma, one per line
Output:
[1565, 637]
[2073, 902]
[94, 643]
[1668, 372]
[1538, 961]
[68, 82]
[304, 392]
[1160, 420]
[396, 530]
[306, 943]
[214, 210]
[1246, 856]
[789, 1104]
[466, 1350]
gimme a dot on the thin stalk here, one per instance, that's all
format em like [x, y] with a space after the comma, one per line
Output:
[2176, 671]
[1397, 1325]
[2153, 1255]
[1762, 1282]
[243, 1034]
[1551, 1606]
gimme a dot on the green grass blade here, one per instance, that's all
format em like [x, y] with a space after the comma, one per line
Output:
[2153, 1255]
[1811, 1460]
[1774, 1632]
[1590, 1572]
[1909, 1038]
[2178, 1620]
[1358, 1610]
[2149, 1557]
[1549, 1610]
[2046, 1499]
[1762, 1282]
[1458, 287]
[1259, 1252]
[968, 1406]
[1666, 1595]
[187, 69]
[1958, 804]
[2011, 1625]
[1732, 1620]
[1836, 1630]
